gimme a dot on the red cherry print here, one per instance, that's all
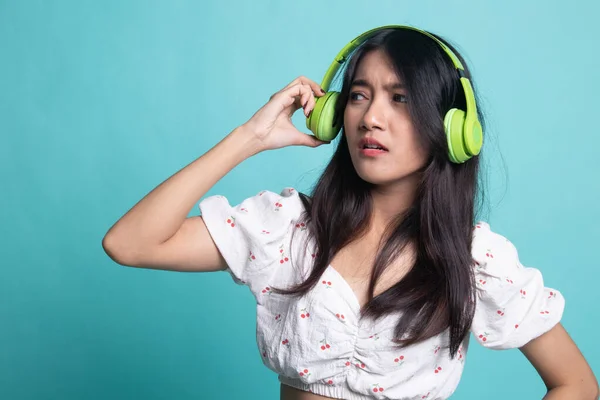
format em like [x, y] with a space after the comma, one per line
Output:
[330, 382]
[322, 347]
[307, 315]
[302, 315]
[324, 282]
[337, 315]
[328, 346]
[362, 365]
[306, 371]
[375, 390]
[516, 326]
[347, 363]
[381, 389]
[329, 283]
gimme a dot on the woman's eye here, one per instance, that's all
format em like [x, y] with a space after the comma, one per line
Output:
[400, 97]
[353, 95]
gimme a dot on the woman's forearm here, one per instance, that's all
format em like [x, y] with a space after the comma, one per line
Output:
[158, 216]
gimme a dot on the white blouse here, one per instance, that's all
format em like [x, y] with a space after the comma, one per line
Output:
[317, 343]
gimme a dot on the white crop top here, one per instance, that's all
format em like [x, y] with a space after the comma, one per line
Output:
[316, 343]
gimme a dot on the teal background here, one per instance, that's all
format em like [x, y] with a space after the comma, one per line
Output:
[102, 101]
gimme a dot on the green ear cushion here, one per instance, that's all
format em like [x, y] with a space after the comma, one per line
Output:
[320, 121]
[473, 136]
[453, 124]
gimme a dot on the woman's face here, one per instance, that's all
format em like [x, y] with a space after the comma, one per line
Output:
[377, 110]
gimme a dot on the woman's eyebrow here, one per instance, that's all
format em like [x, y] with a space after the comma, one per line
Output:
[365, 83]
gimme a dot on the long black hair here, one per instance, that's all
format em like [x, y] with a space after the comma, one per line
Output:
[438, 293]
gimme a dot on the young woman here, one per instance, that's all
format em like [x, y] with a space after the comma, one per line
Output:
[370, 287]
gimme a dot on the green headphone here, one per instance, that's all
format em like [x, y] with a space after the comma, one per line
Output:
[463, 129]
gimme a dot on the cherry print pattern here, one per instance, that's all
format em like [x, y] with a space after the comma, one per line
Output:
[304, 373]
[278, 205]
[493, 258]
[377, 388]
[327, 284]
[341, 317]
[266, 290]
[284, 258]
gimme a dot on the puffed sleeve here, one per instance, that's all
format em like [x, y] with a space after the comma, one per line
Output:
[253, 235]
[513, 305]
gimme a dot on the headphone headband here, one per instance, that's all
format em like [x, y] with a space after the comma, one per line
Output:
[342, 56]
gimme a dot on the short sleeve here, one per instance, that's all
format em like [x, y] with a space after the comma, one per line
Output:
[513, 304]
[253, 235]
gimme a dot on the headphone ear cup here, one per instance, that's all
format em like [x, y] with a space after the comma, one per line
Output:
[321, 119]
[454, 123]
